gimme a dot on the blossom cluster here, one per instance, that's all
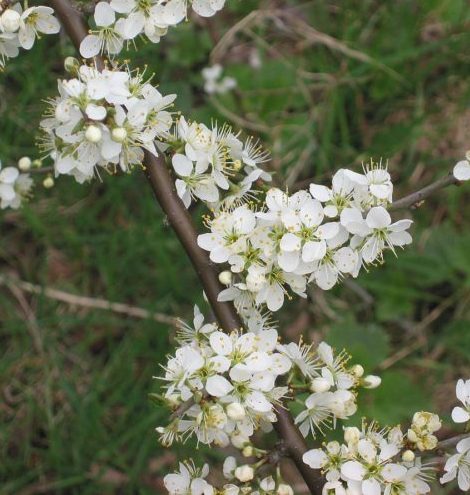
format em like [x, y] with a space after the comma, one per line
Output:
[241, 479]
[120, 22]
[368, 462]
[229, 381]
[15, 187]
[320, 236]
[214, 165]
[20, 26]
[330, 383]
[104, 120]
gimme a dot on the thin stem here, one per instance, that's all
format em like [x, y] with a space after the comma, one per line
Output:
[414, 199]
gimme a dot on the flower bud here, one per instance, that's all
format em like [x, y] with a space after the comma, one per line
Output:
[352, 434]
[247, 451]
[119, 134]
[333, 447]
[408, 456]
[238, 440]
[37, 163]
[93, 134]
[284, 489]
[320, 385]
[357, 370]
[24, 164]
[372, 381]
[236, 411]
[244, 473]
[48, 182]
[10, 20]
[225, 277]
[71, 65]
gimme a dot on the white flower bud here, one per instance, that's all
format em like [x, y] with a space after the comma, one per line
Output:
[247, 451]
[236, 411]
[352, 434]
[244, 473]
[284, 489]
[10, 20]
[48, 182]
[225, 277]
[372, 381]
[408, 456]
[119, 134]
[71, 65]
[320, 385]
[24, 164]
[333, 447]
[238, 440]
[357, 370]
[93, 134]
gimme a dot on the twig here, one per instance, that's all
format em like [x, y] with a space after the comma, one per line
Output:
[87, 302]
[415, 199]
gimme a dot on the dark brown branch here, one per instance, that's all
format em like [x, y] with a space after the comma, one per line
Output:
[414, 199]
[295, 445]
[179, 218]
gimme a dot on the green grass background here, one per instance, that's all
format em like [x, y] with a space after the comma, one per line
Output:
[75, 417]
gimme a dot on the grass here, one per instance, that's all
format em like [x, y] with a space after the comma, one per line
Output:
[75, 413]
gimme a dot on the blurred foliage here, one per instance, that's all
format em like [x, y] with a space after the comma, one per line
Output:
[324, 84]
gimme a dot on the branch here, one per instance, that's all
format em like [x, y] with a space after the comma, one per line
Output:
[414, 199]
[163, 187]
[179, 218]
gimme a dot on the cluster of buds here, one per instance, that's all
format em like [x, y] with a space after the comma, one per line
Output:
[15, 187]
[104, 120]
[422, 429]
[319, 236]
[20, 26]
[120, 22]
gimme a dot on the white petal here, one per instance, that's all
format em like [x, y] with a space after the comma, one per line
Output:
[313, 251]
[182, 165]
[90, 46]
[322, 193]
[218, 386]
[371, 487]
[353, 470]
[221, 343]
[289, 242]
[378, 218]
[315, 458]
[460, 415]
[104, 14]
